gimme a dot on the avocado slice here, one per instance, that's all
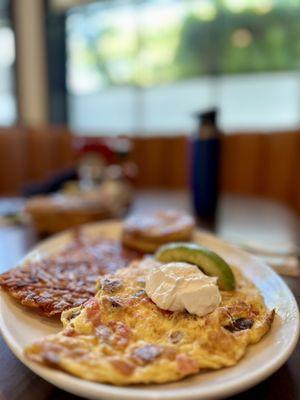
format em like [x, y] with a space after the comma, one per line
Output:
[206, 260]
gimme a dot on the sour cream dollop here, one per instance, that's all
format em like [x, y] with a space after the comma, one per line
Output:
[179, 286]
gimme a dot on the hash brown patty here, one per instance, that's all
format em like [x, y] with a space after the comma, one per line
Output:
[66, 279]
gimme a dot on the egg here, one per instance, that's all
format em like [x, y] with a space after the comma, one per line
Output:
[121, 337]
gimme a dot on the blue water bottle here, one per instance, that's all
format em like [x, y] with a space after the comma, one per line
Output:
[204, 166]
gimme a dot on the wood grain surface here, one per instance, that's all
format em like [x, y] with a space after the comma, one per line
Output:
[257, 164]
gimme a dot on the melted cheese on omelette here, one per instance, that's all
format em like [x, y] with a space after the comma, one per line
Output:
[122, 337]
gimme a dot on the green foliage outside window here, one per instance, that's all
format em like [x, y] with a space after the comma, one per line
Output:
[193, 45]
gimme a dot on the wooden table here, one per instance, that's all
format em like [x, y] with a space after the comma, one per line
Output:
[236, 216]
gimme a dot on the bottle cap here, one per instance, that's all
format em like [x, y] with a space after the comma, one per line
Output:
[207, 117]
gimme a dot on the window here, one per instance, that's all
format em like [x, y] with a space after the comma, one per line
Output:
[7, 59]
[145, 67]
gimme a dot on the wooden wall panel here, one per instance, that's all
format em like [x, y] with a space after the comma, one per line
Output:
[148, 154]
[48, 150]
[13, 162]
[242, 166]
[176, 158]
[251, 164]
[162, 161]
[282, 165]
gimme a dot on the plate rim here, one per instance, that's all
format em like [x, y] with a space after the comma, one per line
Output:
[77, 386]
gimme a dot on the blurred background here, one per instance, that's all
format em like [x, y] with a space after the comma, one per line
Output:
[116, 106]
[76, 75]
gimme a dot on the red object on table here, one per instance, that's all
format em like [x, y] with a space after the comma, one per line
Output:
[113, 149]
[98, 145]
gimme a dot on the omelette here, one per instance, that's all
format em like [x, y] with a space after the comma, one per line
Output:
[121, 337]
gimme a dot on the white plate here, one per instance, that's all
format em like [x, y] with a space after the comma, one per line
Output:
[20, 326]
